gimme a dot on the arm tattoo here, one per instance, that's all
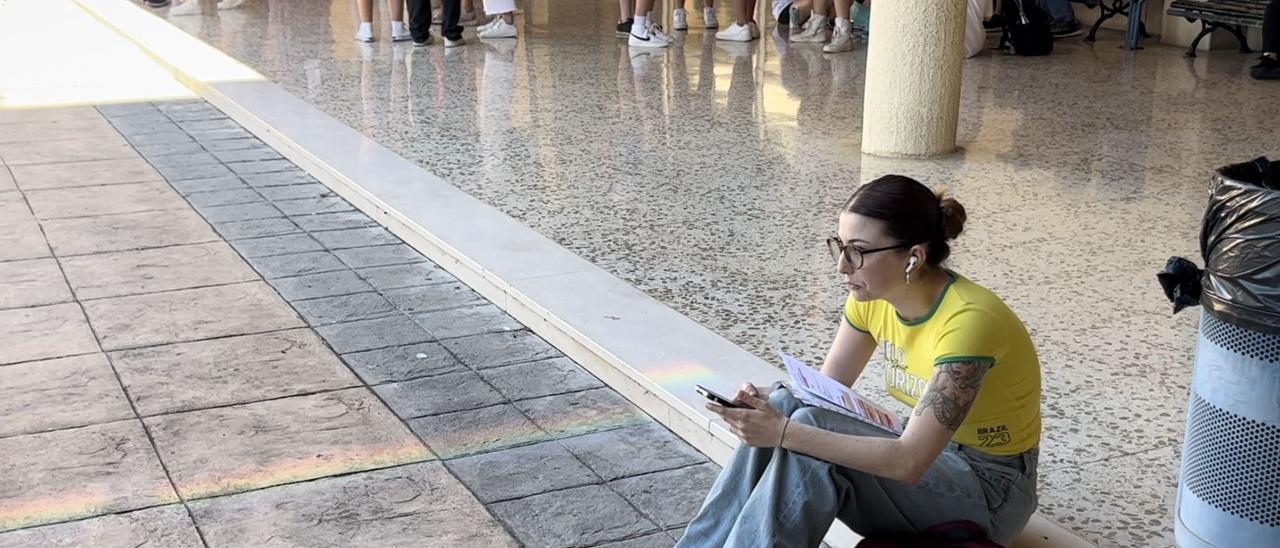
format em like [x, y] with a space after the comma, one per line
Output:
[952, 392]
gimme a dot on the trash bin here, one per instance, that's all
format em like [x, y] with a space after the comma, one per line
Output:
[1229, 486]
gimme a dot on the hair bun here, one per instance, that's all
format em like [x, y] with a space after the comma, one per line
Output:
[953, 215]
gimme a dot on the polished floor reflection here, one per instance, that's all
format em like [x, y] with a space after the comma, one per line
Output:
[709, 174]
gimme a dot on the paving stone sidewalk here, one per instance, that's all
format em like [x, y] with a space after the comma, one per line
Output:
[204, 346]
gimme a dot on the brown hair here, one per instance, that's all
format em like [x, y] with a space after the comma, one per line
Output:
[912, 213]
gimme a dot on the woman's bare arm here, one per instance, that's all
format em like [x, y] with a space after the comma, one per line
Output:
[848, 355]
[938, 415]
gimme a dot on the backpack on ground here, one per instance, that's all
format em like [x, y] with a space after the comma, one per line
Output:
[1026, 28]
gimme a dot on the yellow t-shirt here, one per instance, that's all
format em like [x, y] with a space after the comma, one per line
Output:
[968, 323]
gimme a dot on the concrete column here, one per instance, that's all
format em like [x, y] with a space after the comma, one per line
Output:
[912, 101]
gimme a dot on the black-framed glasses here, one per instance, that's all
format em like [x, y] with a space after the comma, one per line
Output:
[856, 257]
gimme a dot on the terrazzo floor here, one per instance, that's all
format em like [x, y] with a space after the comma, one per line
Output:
[709, 174]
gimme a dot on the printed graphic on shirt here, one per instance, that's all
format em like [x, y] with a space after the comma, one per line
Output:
[994, 436]
[898, 378]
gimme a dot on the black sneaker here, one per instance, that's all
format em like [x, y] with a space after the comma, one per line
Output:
[1268, 68]
[1065, 30]
[155, 3]
[624, 28]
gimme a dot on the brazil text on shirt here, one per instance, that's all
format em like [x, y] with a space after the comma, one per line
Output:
[968, 323]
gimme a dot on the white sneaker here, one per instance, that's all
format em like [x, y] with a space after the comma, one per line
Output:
[755, 29]
[709, 18]
[365, 32]
[841, 38]
[680, 20]
[487, 24]
[452, 43]
[815, 31]
[500, 28]
[229, 4]
[655, 31]
[655, 39]
[400, 32]
[190, 7]
[468, 19]
[736, 33]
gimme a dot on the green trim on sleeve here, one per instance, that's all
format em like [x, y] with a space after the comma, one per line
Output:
[845, 314]
[957, 359]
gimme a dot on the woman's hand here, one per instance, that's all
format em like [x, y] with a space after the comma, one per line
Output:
[759, 426]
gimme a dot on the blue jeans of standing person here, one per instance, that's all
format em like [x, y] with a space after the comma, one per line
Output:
[1059, 10]
[775, 497]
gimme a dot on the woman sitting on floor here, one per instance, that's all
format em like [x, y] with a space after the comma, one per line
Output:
[952, 350]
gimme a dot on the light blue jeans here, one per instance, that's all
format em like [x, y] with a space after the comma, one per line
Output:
[1059, 10]
[774, 497]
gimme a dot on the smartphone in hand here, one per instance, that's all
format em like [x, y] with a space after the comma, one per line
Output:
[717, 398]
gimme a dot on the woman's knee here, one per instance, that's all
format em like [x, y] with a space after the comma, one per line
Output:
[810, 416]
[784, 401]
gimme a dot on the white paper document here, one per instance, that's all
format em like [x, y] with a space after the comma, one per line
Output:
[814, 388]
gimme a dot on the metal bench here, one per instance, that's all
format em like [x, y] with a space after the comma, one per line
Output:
[1112, 8]
[1229, 15]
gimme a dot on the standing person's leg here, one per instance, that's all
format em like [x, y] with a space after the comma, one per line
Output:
[680, 17]
[644, 33]
[399, 29]
[641, 16]
[489, 15]
[420, 21]
[504, 22]
[744, 28]
[1064, 24]
[1268, 68]
[626, 15]
[734, 485]
[815, 27]
[468, 17]
[843, 7]
[1271, 30]
[396, 9]
[364, 32]
[449, 27]
[842, 36]
[709, 15]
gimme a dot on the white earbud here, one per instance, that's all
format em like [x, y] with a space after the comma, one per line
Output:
[911, 264]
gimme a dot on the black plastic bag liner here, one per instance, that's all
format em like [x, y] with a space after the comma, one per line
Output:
[1181, 282]
[1240, 244]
